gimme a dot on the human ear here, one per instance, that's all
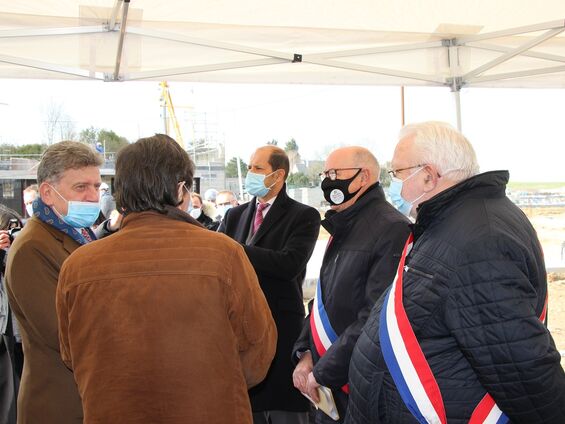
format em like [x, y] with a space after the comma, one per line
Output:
[46, 193]
[431, 178]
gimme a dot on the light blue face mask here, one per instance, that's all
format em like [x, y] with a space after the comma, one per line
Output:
[395, 193]
[79, 214]
[255, 184]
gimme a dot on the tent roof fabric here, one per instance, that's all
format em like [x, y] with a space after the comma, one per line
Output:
[456, 43]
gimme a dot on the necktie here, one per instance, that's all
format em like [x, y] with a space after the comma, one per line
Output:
[259, 216]
[85, 235]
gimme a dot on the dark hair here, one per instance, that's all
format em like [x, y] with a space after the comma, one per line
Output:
[279, 160]
[148, 172]
[65, 155]
[7, 214]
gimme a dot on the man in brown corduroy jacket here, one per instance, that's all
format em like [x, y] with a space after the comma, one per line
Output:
[164, 321]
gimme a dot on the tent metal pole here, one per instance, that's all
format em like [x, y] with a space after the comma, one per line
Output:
[45, 66]
[502, 49]
[376, 50]
[121, 40]
[518, 74]
[289, 57]
[514, 52]
[115, 10]
[374, 70]
[160, 73]
[457, 98]
[402, 111]
[512, 31]
[39, 32]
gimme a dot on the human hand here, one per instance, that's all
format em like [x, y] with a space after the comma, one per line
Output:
[4, 239]
[312, 388]
[115, 221]
[300, 374]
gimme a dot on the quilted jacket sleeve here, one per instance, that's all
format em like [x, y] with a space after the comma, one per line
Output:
[493, 311]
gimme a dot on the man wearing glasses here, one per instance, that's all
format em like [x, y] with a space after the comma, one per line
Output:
[460, 336]
[367, 236]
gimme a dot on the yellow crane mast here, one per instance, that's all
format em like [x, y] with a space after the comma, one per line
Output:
[169, 113]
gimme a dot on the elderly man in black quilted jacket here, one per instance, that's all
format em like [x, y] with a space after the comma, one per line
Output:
[460, 336]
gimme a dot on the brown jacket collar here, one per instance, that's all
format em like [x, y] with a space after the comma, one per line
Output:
[170, 213]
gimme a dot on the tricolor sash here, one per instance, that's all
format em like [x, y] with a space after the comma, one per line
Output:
[322, 331]
[410, 369]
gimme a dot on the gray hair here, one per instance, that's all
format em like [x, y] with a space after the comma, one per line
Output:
[439, 144]
[228, 193]
[32, 189]
[65, 155]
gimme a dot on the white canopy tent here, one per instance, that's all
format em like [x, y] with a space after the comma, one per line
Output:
[453, 43]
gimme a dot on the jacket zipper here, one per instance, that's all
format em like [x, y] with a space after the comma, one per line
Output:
[417, 272]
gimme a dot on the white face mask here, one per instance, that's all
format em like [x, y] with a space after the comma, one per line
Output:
[223, 209]
[29, 209]
[195, 213]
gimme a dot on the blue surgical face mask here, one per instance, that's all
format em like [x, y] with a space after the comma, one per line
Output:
[79, 214]
[395, 192]
[255, 184]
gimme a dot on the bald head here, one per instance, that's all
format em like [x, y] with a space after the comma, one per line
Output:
[355, 157]
[355, 165]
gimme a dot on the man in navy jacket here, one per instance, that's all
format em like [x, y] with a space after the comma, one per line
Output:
[474, 294]
[367, 236]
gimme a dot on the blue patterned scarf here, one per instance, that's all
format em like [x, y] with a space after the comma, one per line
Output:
[48, 215]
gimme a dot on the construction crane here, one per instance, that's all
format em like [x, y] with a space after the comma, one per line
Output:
[169, 113]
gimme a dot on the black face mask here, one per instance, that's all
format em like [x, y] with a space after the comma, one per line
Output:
[336, 191]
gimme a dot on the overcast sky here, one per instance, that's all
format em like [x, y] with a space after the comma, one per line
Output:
[519, 130]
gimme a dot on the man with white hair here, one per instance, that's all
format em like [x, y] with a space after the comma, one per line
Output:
[460, 335]
[210, 195]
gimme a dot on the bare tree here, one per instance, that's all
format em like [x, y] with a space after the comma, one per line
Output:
[53, 112]
[67, 128]
[58, 124]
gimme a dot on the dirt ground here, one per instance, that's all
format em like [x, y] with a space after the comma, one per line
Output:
[550, 226]
[556, 313]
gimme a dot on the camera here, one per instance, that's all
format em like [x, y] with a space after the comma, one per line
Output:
[14, 227]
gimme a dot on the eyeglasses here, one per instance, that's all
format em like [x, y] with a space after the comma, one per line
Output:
[332, 173]
[394, 172]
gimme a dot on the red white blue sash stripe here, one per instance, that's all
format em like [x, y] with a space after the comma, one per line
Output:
[410, 369]
[404, 357]
[322, 331]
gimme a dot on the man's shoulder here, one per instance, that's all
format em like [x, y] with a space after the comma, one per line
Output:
[241, 208]
[299, 207]
[35, 235]
[178, 241]
[236, 212]
[381, 211]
